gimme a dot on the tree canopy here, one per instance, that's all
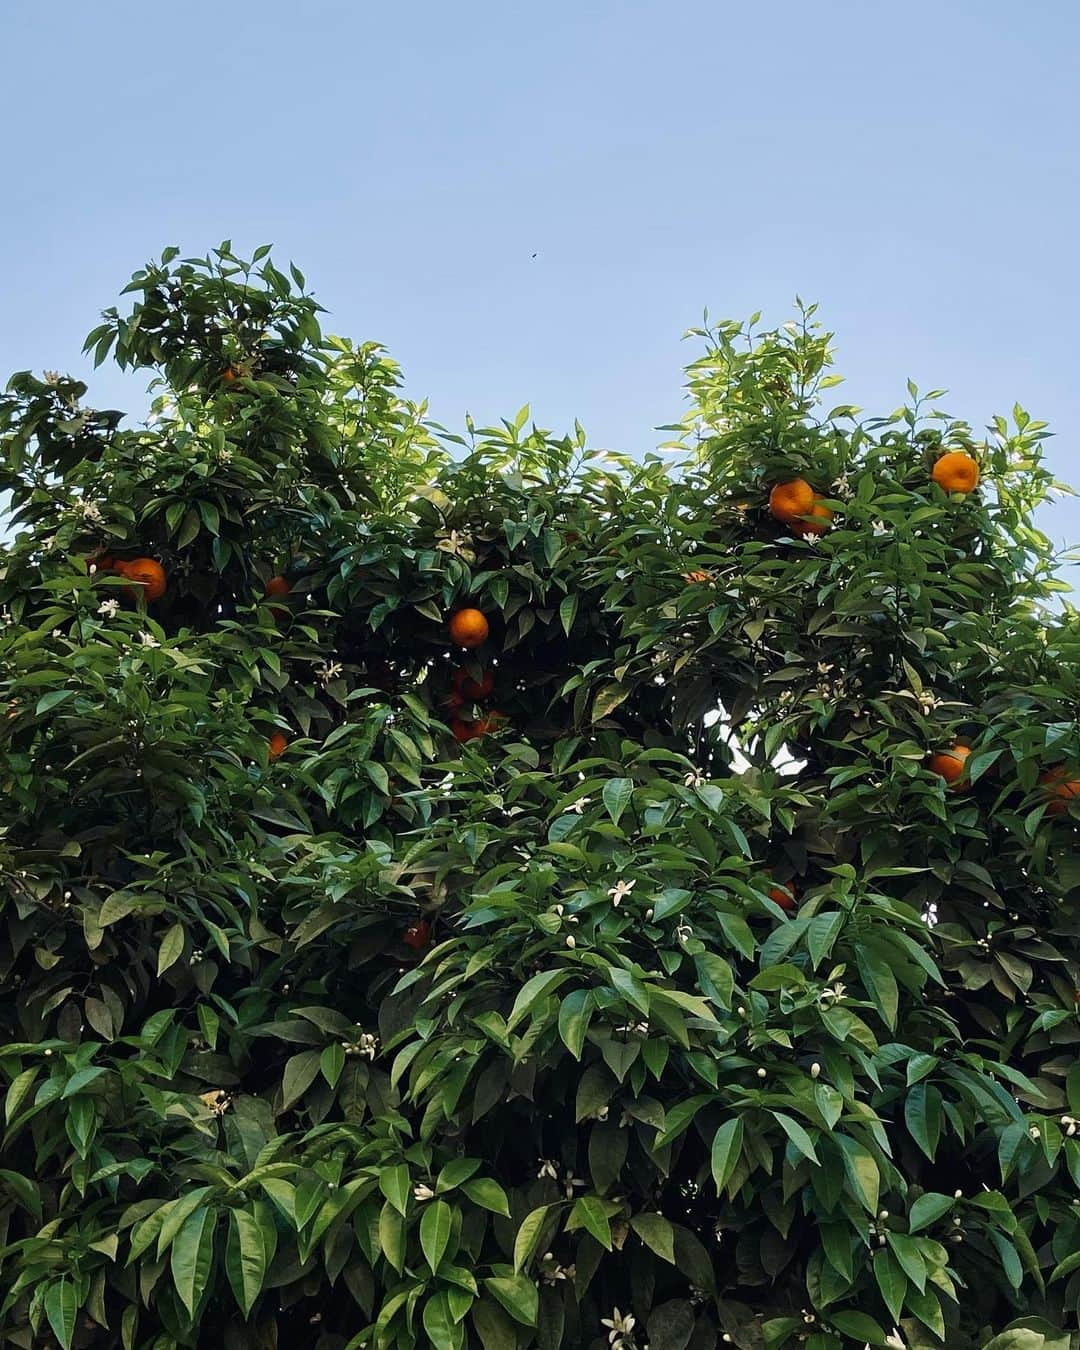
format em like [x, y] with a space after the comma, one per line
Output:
[475, 890]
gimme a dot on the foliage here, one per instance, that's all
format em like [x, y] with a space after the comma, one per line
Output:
[403, 1039]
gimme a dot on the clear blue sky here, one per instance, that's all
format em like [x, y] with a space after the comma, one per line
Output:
[913, 167]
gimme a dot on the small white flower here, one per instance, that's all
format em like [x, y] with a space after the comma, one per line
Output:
[108, 608]
[547, 1169]
[328, 671]
[620, 1326]
[368, 1044]
[422, 1192]
[579, 806]
[52, 377]
[620, 891]
[148, 640]
[684, 932]
[1035, 1133]
[879, 527]
[90, 510]
[823, 667]
[694, 779]
[762, 1073]
[812, 540]
[49, 544]
[833, 994]
[571, 942]
[815, 1070]
[225, 456]
[569, 1182]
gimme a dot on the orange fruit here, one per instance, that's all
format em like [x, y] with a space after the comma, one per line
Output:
[494, 721]
[278, 586]
[691, 577]
[148, 573]
[463, 731]
[949, 764]
[468, 627]
[228, 375]
[784, 896]
[956, 471]
[277, 745]
[820, 516]
[467, 687]
[105, 563]
[788, 501]
[1060, 790]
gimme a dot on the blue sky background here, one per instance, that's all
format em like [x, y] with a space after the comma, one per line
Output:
[913, 167]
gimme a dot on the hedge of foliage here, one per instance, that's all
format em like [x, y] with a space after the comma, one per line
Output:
[635, 977]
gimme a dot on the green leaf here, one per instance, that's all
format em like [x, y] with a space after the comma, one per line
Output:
[726, 1151]
[246, 1258]
[568, 611]
[657, 1233]
[435, 1226]
[443, 1331]
[532, 991]
[517, 1295]
[880, 984]
[455, 1172]
[798, 1136]
[171, 949]
[590, 1214]
[62, 1310]
[891, 1280]
[528, 1236]
[52, 699]
[575, 1014]
[859, 1326]
[923, 1116]
[192, 1257]
[927, 1209]
[392, 1236]
[332, 1063]
[680, 1117]
[608, 699]
[909, 1255]
[616, 796]
[862, 1172]
[488, 1194]
[495, 1329]
[300, 1072]
[395, 1185]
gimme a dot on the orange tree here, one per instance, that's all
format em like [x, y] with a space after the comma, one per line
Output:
[475, 891]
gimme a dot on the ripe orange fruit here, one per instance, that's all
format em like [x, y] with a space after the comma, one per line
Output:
[691, 577]
[956, 471]
[278, 586]
[468, 627]
[788, 501]
[467, 687]
[463, 731]
[820, 516]
[228, 375]
[784, 896]
[148, 573]
[1060, 790]
[277, 745]
[105, 563]
[494, 721]
[949, 764]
